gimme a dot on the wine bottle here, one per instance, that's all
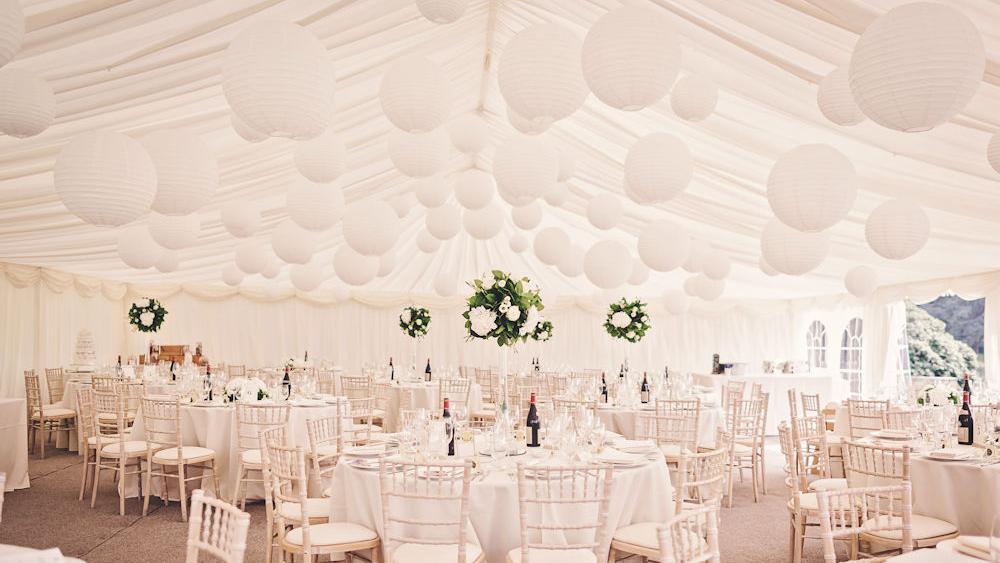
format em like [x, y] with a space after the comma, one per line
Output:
[173, 372]
[716, 367]
[621, 371]
[965, 425]
[286, 382]
[427, 370]
[644, 389]
[305, 358]
[604, 388]
[208, 380]
[118, 370]
[449, 427]
[966, 388]
[533, 423]
[392, 370]
[666, 374]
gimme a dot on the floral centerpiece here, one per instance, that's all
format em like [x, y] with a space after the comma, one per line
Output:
[246, 390]
[505, 309]
[937, 395]
[146, 315]
[627, 320]
[543, 331]
[414, 321]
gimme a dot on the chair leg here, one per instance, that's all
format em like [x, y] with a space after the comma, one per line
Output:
[97, 480]
[763, 469]
[122, 465]
[753, 475]
[215, 481]
[797, 548]
[147, 476]
[183, 485]
[86, 470]
[729, 499]
[239, 482]
[44, 437]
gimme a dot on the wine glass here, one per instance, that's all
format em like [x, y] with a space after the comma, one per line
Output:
[498, 444]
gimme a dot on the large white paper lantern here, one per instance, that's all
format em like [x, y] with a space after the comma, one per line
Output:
[354, 268]
[432, 191]
[175, 231]
[446, 282]
[306, 277]
[442, 11]
[245, 132]
[402, 203]
[524, 168]
[607, 264]
[415, 94]
[605, 211]
[27, 103]
[418, 154]
[663, 245]
[835, 99]
[792, 252]
[443, 222]
[550, 244]
[272, 269]
[640, 273]
[699, 251]
[168, 262]
[315, 207]
[241, 218]
[277, 77]
[916, 66]
[519, 243]
[691, 286]
[631, 57]
[427, 242]
[861, 281]
[371, 227]
[540, 73]
[469, 133]
[187, 173]
[694, 97]
[897, 229]
[993, 151]
[766, 268]
[716, 266]
[250, 257]
[811, 187]
[528, 216]
[231, 275]
[292, 243]
[557, 194]
[567, 166]
[105, 178]
[11, 29]
[474, 189]
[709, 289]
[525, 126]
[676, 302]
[137, 249]
[484, 223]
[322, 159]
[657, 168]
[571, 262]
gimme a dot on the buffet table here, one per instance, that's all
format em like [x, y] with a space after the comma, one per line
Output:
[14, 443]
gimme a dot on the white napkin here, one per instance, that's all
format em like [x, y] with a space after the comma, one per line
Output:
[616, 457]
[950, 453]
[974, 546]
[366, 450]
[635, 446]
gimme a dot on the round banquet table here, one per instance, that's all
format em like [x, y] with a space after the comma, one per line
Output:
[638, 494]
[944, 552]
[964, 493]
[420, 395]
[623, 420]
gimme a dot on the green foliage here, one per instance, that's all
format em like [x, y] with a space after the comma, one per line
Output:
[638, 320]
[933, 351]
[146, 305]
[543, 331]
[419, 319]
[496, 299]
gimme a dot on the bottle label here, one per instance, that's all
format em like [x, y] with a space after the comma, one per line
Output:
[963, 435]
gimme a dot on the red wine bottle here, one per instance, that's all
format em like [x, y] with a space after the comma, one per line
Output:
[965, 426]
[286, 382]
[533, 423]
[427, 370]
[644, 389]
[392, 370]
[604, 389]
[449, 427]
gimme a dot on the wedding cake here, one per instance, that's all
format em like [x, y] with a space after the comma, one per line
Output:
[84, 358]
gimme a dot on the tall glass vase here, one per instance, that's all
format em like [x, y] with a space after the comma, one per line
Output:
[503, 380]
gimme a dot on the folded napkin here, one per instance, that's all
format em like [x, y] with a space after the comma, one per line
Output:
[617, 457]
[366, 450]
[950, 453]
[974, 546]
[635, 446]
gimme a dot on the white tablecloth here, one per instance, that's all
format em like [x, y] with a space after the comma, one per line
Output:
[944, 552]
[622, 421]
[14, 443]
[959, 492]
[421, 396]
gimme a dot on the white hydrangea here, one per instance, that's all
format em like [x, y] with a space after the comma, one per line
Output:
[620, 319]
[531, 321]
[147, 318]
[405, 317]
[630, 334]
[513, 314]
[482, 320]
[142, 303]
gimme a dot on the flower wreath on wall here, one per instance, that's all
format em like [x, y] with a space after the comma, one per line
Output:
[414, 321]
[628, 320]
[505, 309]
[146, 315]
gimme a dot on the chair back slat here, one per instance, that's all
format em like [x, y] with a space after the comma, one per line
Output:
[701, 478]
[668, 429]
[811, 450]
[56, 383]
[216, 529]
[691, 536]
[456, 391]
[162, 421]
[251, 418]
[867, 464]
[865, 417]
[32, 393]
[850, 512]
[326, 441]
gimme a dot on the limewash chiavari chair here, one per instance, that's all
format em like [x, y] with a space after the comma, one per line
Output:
[793, 403]
[115, 452]
[812, 453]
[456, 391]
[675, 434]
[557, 384]
[900, 420]
[690, 408]
[865, 417]
[731, 390]
[251, 418]
[802, 507]
[574, 408]
[103, 382]
[89, 439]
[236, 370]
[414, 532]
[755, 390]
[691, 537]
[864, 511]
[326, 443]
[217, 529]
[44, 419]
[326, 381]
[743, 418]
[810, 405]
[56, 382]
[274, 435]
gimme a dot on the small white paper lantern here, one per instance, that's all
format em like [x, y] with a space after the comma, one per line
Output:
[676, 302]
[231, 275]
[861, 281]
[691, 286]
[792, 252]
[528, 216]
[431, 192]
[993, 152]
[897, 229]
[273, 268]
[187, 173]
[916, 66]
[658, 167]
[663, 245]
[371, 227]
[469, 133]
[835, 99]
[550, 244]
[519, 243]
[443, 222]
[540, 74]
[427, 242]
[250, 257]
[168, 262]
[175, 231]
[640, 273]
[811, 187]
[11, 29]
[484, 223]
[716, 266]
[241, 218]
[105, 178]
[607, 264]
[567, 166]
[694, 97]
[709, 289]
[322, 159]
[292, 243]
[418, 154]
[571, 263]
[696, 256]
[245, 132]
[415, 94]
[306, 277]
[403, 203]
[766, 268]
[137, 249]
[27, 103]
[442, 11]
[446, 282]
[474, 189]
[557, 194]
[524, 167]
[315, 207]
[278, 78]
[605, 211]
[631, 57]
[354, 268]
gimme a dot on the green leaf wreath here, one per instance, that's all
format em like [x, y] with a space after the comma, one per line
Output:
[628, 320]
[146, 315]
[505, 309]
[543, 331]
[414, 321]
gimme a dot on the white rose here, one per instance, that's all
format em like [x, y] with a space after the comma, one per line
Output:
[939, 396]
[147, 318]
[531, 321]
[513, 314]
[630, 335]
[620, 319]
[405, 317]
[419, 322]
[502, 283]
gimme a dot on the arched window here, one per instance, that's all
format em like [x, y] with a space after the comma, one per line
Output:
[816, 345]
[850, 355]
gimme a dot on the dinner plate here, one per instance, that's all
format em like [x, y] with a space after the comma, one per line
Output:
[371, 450]
[207, 404]
[944, 455]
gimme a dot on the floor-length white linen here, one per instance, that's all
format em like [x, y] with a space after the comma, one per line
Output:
[421, 396]
[14, 443]
[963, 493]
[623, 421]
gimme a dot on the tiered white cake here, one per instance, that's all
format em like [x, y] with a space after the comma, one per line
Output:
[84, 358]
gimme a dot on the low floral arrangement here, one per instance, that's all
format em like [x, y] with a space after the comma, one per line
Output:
[146, 315]
[414, 321]
[246, 390]
[628, 320]
[543, 331]
[937, 395]
[505, 309]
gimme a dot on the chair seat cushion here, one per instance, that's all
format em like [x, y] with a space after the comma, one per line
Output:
[315, 508]
[103, 439]
[740, 448]
[808, 502]
[553, 555]
[828, 484]
[672, 451]
[642, 534]
[132, 448]
[251, 458]
[53, 411]
[924, 527]
[424, 553]
[332, 533]
[190, 454]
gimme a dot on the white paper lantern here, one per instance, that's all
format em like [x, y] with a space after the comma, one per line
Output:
[861, 281]
[607, 264]
[550, 244]
[676, 302]
[245, 132]
[137, 249]
[557, 194]
[315, 207]
[27, 103]
[427, 242]
[792, 252]
[231, 275]
[11, 29]
[524, 168]
[292, 243]
[658, 167]
[474, 189]
[640, 273]
[697, 255]
[691, 286]
[418, 154]
[663, 245]
[605, 211]
[278, 78]
[443, 222]
[250, 257]
[519, 243]
[567, 166]
[469, 133]
[993, 151]
[442, 11]
[835, 99]
[415, 94]
[371, 227]
[322, 159]
[241, 218]
[105, 178]
[897, 229]
[273, 268]
[631, 57]
[528, 216]
[709, 289]
[811, 187]
[483, 224]
[187, 173]
[571, 262]
[716, 266]
[168, 262]
[916, 66]
[306, 277]
[354, 268]
[446, 282]
[175, 231]
[525, 126]
[766, 268]
[403, 203]
[540, 73]
[431, 192]
[694, 97]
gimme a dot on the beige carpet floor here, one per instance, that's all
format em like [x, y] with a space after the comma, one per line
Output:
[48, 514]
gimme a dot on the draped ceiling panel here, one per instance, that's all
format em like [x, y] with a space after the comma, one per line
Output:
[143, 65]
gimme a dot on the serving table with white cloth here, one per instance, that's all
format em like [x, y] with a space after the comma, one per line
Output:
[14, 443]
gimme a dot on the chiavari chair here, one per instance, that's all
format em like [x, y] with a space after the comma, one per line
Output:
[813, 455]
[217, 529]
[456, 391]
[251, 418]
[326, 381]
[236, 370]
[865, 511]
[900, 420]
[865, 417]
[44, 420]
[360, 393]
[793, 403]
[326, 443]
[691, 537]
[103, 382]
[574, 408]
[755, 390]
[743, 422]
[56, 382]
[732, 390]
[115, 453]
[810, 405]
[690, 408]
[89, 440]
[675, 434]
[557, 384]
